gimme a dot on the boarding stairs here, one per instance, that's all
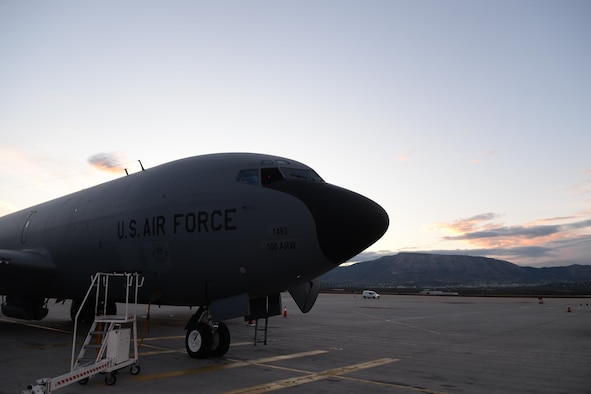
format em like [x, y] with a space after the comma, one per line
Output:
[108, 346]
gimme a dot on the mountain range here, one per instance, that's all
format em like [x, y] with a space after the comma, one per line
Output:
[435, 270]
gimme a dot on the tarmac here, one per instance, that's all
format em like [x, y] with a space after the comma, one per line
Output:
[346, 344]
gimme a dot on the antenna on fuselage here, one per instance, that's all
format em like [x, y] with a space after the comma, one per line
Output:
[139, 161]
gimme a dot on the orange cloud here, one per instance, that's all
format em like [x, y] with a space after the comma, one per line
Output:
[467, 225]
[479, 232]
[482, 156]
[109, 162]
[404, 156]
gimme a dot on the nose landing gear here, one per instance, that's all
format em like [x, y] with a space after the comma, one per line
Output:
[204, 337]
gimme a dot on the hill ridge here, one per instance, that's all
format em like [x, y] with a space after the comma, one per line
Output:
[439, 270]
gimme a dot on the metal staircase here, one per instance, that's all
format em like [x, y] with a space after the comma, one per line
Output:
[108, 344]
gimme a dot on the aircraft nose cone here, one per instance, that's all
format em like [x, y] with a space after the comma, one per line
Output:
[346, 222]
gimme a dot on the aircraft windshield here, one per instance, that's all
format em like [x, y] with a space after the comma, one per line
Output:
[249, 177]
[269, 175]
[301, 174]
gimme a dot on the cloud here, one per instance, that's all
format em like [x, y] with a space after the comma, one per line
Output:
[502, 253]
[550, 241]
[555, 219]
[403, 156]
[109, 162]
[514, 231]
[482, 156]
[545, 242]
[30, 177]
[577, 225]
[467, 224]
[521, 231]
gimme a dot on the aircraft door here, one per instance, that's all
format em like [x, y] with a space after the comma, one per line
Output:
[26, 226]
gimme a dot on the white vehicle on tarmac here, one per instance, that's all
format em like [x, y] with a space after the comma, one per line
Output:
[370, 294]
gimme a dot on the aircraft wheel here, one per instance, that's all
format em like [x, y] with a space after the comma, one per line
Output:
[198, 340]
[83, 381]
[135, 369]
[221, 341]
[110, 379]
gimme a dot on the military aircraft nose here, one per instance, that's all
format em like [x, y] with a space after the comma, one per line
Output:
[346, 222]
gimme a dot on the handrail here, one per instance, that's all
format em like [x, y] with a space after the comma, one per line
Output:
[92, 283]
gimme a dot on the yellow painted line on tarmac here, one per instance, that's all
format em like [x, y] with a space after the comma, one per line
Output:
[313, 377]
[165, 350]
[286, 357]
[218, 367]
[240, 344]
[162, 338]
[22, 323]
[158, 350]
[364, 381]
[413, 327]
[149, 339]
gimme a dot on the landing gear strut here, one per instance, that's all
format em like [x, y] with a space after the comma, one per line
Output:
[204, 337]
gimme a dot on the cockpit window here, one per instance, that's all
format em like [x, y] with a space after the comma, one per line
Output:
[266, 176]
[270, 175]
[301, 174]
[249, 177]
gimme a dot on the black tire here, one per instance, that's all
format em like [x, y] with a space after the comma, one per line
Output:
[135, 369]
[221, 341]
[110, 379]
[198, 340]
[82, 382]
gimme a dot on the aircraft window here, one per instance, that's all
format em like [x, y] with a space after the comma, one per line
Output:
[268, 162]
[274, 174]
[249, 177]
[302, 174]
[270, 175]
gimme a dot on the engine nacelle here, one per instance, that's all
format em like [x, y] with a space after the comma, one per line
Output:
[34, 308]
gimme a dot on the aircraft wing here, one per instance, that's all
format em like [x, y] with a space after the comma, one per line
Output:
[23, 276]
[18, 267]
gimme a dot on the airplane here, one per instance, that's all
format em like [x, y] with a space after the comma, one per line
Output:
[225, 232]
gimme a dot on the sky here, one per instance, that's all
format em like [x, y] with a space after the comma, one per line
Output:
[469, 122]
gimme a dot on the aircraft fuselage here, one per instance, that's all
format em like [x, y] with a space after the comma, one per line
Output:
[199, 229]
